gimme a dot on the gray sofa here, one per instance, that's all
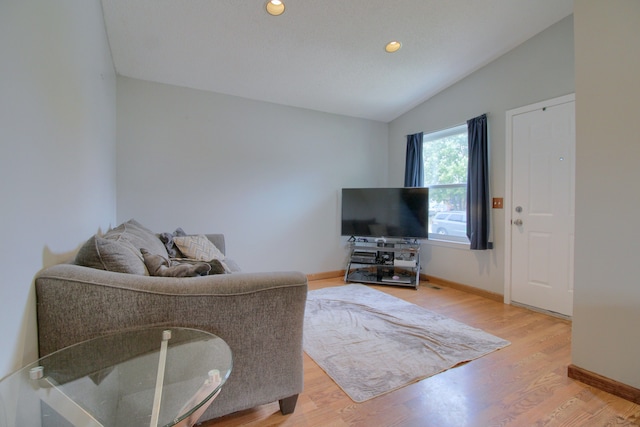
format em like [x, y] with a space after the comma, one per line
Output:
[259, 315]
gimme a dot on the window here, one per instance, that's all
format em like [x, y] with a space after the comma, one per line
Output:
[446, 160]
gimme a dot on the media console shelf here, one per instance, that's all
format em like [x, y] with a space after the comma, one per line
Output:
[384, 263]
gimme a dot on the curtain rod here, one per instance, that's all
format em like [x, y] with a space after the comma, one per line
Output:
[452, 126]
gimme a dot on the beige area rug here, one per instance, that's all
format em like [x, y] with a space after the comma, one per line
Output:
[371, 343]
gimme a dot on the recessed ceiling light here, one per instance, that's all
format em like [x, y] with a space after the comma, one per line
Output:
[275, 7]
[393, 46]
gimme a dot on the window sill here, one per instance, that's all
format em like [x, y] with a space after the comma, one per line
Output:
[447, 244]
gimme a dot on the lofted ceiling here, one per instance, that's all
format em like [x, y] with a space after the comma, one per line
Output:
[325, 55]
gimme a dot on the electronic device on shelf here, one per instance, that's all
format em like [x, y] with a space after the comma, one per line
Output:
[384, 226]
[396, 279]
[384, 263]
[364, 257]
[381, 213]
[405, 260]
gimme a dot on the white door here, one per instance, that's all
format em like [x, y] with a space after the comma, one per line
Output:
[541, 213]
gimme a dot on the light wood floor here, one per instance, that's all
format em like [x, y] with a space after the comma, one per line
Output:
[524, 384]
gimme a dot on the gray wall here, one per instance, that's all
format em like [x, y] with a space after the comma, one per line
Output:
[607, 290]
[539, 69]
[268, 176]
[57, 149]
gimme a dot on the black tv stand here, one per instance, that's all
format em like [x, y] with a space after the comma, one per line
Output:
[384, 262]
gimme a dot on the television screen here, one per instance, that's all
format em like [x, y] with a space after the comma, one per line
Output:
[385, 212]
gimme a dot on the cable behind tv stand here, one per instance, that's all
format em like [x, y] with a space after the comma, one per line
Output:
[384, 262]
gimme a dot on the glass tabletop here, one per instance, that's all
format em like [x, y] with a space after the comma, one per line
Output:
[161, 376]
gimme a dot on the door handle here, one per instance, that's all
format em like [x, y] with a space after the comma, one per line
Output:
[517, 222]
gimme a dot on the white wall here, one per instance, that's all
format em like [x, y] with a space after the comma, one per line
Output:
[57, 149]
[268, 176]
[539, 69]
[606, 339]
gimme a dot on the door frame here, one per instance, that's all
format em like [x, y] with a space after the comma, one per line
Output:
[508, 154]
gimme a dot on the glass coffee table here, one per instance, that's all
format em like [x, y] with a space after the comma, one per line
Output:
[161, 376]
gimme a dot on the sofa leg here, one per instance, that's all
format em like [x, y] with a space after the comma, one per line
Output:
[288, 404]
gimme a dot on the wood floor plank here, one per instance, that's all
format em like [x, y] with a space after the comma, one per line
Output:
[524, 384]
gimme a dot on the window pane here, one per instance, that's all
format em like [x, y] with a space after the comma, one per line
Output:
[445, 168]
[446, 157]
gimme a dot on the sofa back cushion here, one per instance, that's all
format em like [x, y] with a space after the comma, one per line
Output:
[119, 249]
[105, 254]
[139, 236]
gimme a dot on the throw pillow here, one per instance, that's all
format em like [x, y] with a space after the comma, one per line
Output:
[137, 235]
[198, 247]
[111, 255]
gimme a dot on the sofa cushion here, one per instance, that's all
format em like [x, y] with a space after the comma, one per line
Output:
[139, 236]
[110, 255]
[198, 247]
[119, 249]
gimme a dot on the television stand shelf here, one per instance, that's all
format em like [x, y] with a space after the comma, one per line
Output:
[384, 263]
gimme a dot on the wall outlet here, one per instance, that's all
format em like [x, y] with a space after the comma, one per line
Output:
[497, 203]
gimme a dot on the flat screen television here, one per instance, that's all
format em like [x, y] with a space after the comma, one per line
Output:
[401, 213]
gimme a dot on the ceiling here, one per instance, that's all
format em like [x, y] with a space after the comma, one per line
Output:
[322, 55]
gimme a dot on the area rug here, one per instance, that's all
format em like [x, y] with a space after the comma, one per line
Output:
[371, 343]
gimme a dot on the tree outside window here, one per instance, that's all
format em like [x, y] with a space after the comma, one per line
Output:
[446, 160]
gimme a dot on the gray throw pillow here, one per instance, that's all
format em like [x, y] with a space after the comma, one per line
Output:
[111, 255]
[138, 236]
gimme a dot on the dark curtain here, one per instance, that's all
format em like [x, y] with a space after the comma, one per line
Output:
[414, 164]
[478, 213]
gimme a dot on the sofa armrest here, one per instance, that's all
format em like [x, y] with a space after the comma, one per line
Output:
[259, 315]
[76, 303]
